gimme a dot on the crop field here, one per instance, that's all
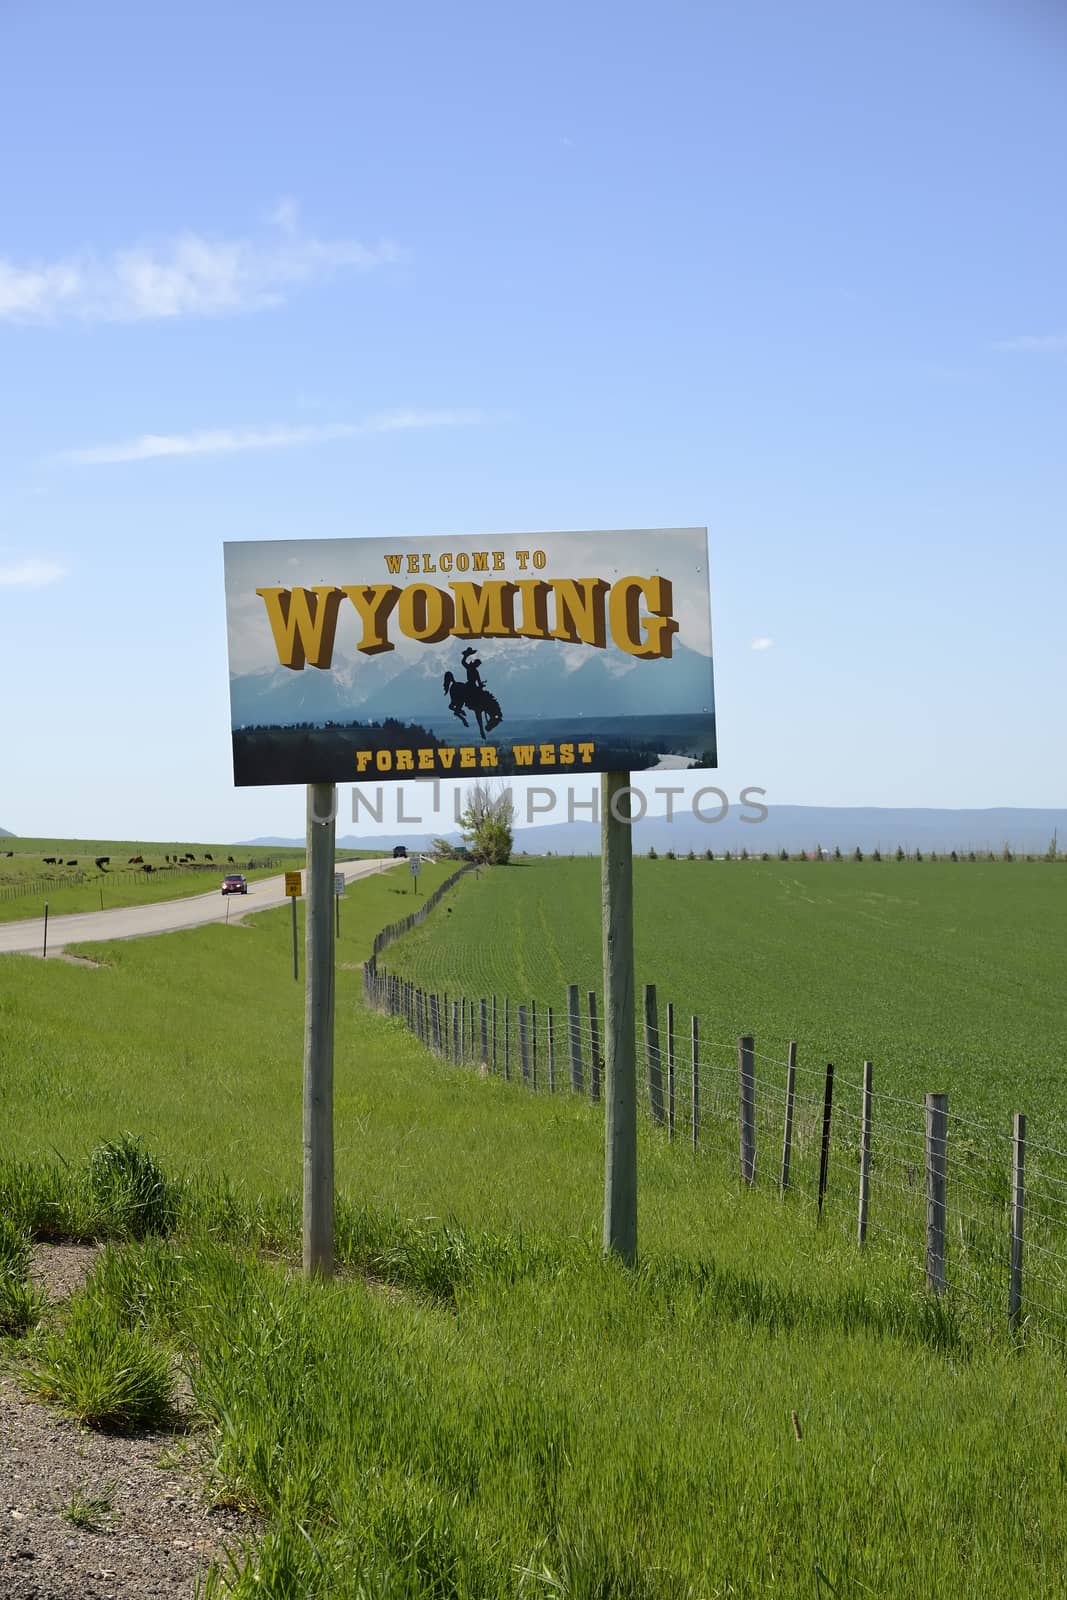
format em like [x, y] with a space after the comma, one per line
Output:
[950, 977]
[74, 883]
[478, 1406]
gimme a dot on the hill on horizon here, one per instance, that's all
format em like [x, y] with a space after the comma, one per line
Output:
[1026, 830]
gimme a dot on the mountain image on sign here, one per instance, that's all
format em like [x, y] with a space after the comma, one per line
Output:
[547, 653]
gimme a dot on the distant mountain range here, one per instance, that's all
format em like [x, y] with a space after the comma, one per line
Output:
[533, 677]
[792, 828]
[5, 833]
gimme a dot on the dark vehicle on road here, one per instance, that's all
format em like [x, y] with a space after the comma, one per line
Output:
[399, 850]
[234, 883]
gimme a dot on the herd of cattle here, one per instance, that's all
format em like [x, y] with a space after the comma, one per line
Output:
[101, 863]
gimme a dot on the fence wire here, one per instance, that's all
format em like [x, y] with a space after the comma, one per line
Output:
[947, 1203]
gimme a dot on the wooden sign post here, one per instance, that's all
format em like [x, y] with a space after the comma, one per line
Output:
[294, 889]
[318, 1032]
[620, 1052]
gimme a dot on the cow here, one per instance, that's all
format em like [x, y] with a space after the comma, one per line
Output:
[206, 856]
[135, 861]
[49, 861]
[147, 867]
[231, 861]
[73, 863]
[102, 862]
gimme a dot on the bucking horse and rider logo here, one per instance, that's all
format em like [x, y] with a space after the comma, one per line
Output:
[471, 694]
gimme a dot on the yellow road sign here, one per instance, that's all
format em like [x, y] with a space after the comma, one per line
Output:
[293, 884]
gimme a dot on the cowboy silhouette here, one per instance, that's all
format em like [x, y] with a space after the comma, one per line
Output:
[472, 695]
[474, 677]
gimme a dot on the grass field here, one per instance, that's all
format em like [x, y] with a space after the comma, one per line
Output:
[515, 1417]
[949, 977]
[26, 882]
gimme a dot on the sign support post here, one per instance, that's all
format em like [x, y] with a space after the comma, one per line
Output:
[318, 1033]
[293, 888]
[620, 1090]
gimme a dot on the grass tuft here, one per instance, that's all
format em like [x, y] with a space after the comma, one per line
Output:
[101, 1373]
[132, 1189]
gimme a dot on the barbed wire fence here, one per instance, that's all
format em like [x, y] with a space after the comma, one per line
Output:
[977, 1211]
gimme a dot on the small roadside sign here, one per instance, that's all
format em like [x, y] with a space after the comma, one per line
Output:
[293, 883]
[416, 863]
[338, 883]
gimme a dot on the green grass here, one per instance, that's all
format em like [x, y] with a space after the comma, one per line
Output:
[557, 1426]
[26, 882]
[100, 1372]
[949, 977]
[479, 1406]
[89, 1507]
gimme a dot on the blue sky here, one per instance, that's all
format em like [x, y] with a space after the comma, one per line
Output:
[793, 271]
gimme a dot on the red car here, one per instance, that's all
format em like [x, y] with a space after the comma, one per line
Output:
[233, 883]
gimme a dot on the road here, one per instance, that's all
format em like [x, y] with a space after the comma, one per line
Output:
[162, 916]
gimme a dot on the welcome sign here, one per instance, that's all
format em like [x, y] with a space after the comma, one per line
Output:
[539, 654]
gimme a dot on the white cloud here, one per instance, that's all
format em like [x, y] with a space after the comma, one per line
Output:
[231, 441]
[761, 644]
[1041, 342]
[188, 276]
[31, 574]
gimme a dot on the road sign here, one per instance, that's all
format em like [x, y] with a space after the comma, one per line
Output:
[338, 883]
[293, 884]
[630, 609]
[416, 863]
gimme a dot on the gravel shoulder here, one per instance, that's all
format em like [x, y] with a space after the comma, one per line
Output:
[156, 1536]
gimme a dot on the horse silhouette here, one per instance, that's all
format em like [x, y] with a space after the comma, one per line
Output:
[473, 696]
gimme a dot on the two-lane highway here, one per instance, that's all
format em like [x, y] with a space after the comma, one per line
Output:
[161, 916]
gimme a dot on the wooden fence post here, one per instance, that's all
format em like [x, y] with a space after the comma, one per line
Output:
[827, 1113]
[790, 1091]
[865, 1153]
[524, 1046]
[670, 1070]
[653, 1066]
[936, 1189]
[484, 1020]
[694, 1031]
[533, 1044]
[594, 1046]
[551, 1055]
[1018, 1197]
[575, 1023]
[494, 1033]
[507, 1038]
[747, 1108]
[455, 1032]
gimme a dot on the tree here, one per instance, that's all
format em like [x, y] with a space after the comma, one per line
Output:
[837, 852]
[900, 852]
[857, 854]
[653, 853]
[709, 854]
[783, 854]
[443, 849]
[487, 824]
[876, 855]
